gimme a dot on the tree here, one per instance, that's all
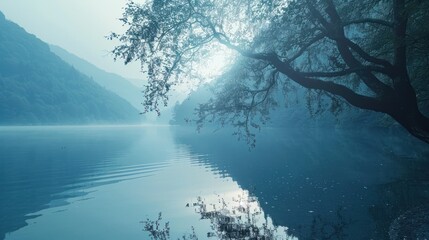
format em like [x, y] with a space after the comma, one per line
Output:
[371, 54]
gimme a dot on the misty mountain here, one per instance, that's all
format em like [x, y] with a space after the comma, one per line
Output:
[112, 82]
[136, 81]
[292, 111]
[126, 88]
[37, 87]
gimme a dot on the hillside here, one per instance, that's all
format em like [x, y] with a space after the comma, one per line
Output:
[112, 82]
[37, 87]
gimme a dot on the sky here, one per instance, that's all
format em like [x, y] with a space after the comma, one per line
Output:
[78, 26]
[81, 27]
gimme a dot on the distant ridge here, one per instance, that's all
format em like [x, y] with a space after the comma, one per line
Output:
[112, 82]
[38, 88]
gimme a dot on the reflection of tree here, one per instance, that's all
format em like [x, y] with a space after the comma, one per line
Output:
[158, 232]
[241, 218]
[155, 230]
[399, 199]
[241, 221]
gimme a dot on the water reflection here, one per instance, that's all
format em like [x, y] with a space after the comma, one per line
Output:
[41, 166]
[100, 182]
[233, 215]
[240, 218]
[50, 167]
[303, 177]
[402, 208]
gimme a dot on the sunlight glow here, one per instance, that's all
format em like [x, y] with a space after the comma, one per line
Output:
[217, 62]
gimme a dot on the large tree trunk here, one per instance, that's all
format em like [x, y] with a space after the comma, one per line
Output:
[403, 107]
[415, 123]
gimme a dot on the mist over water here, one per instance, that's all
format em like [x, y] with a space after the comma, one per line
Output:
[101, 182]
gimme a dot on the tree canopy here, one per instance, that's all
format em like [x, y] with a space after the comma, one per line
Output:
[371, 54]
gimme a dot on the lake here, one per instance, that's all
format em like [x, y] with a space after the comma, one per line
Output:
[112, 182]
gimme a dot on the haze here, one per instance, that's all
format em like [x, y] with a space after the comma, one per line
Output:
[76, 25]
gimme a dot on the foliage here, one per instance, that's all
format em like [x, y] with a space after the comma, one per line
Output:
[370, 54]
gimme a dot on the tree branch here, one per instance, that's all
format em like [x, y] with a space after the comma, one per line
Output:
[369, 20]
[344, 72]
[400, 28]
[348, 94]
[366, 56]
[335, 30]
[317, 38]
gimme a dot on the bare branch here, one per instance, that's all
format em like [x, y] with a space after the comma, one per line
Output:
[348, 94]
[344, 72]
[369, 20]
[367, 56]
[335, 31]
[317, 38]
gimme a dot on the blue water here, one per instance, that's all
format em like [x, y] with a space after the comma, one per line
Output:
[102, 182]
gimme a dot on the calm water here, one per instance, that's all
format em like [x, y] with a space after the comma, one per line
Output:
[101, 182]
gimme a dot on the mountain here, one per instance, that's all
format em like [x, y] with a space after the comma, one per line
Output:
[37, 87]
[112, 82]
[136, 81]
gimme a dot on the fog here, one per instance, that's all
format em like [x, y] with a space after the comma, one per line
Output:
[76, 25]
[253, 120]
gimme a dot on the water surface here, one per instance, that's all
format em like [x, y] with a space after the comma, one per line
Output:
[101, 182]
[325, 183]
